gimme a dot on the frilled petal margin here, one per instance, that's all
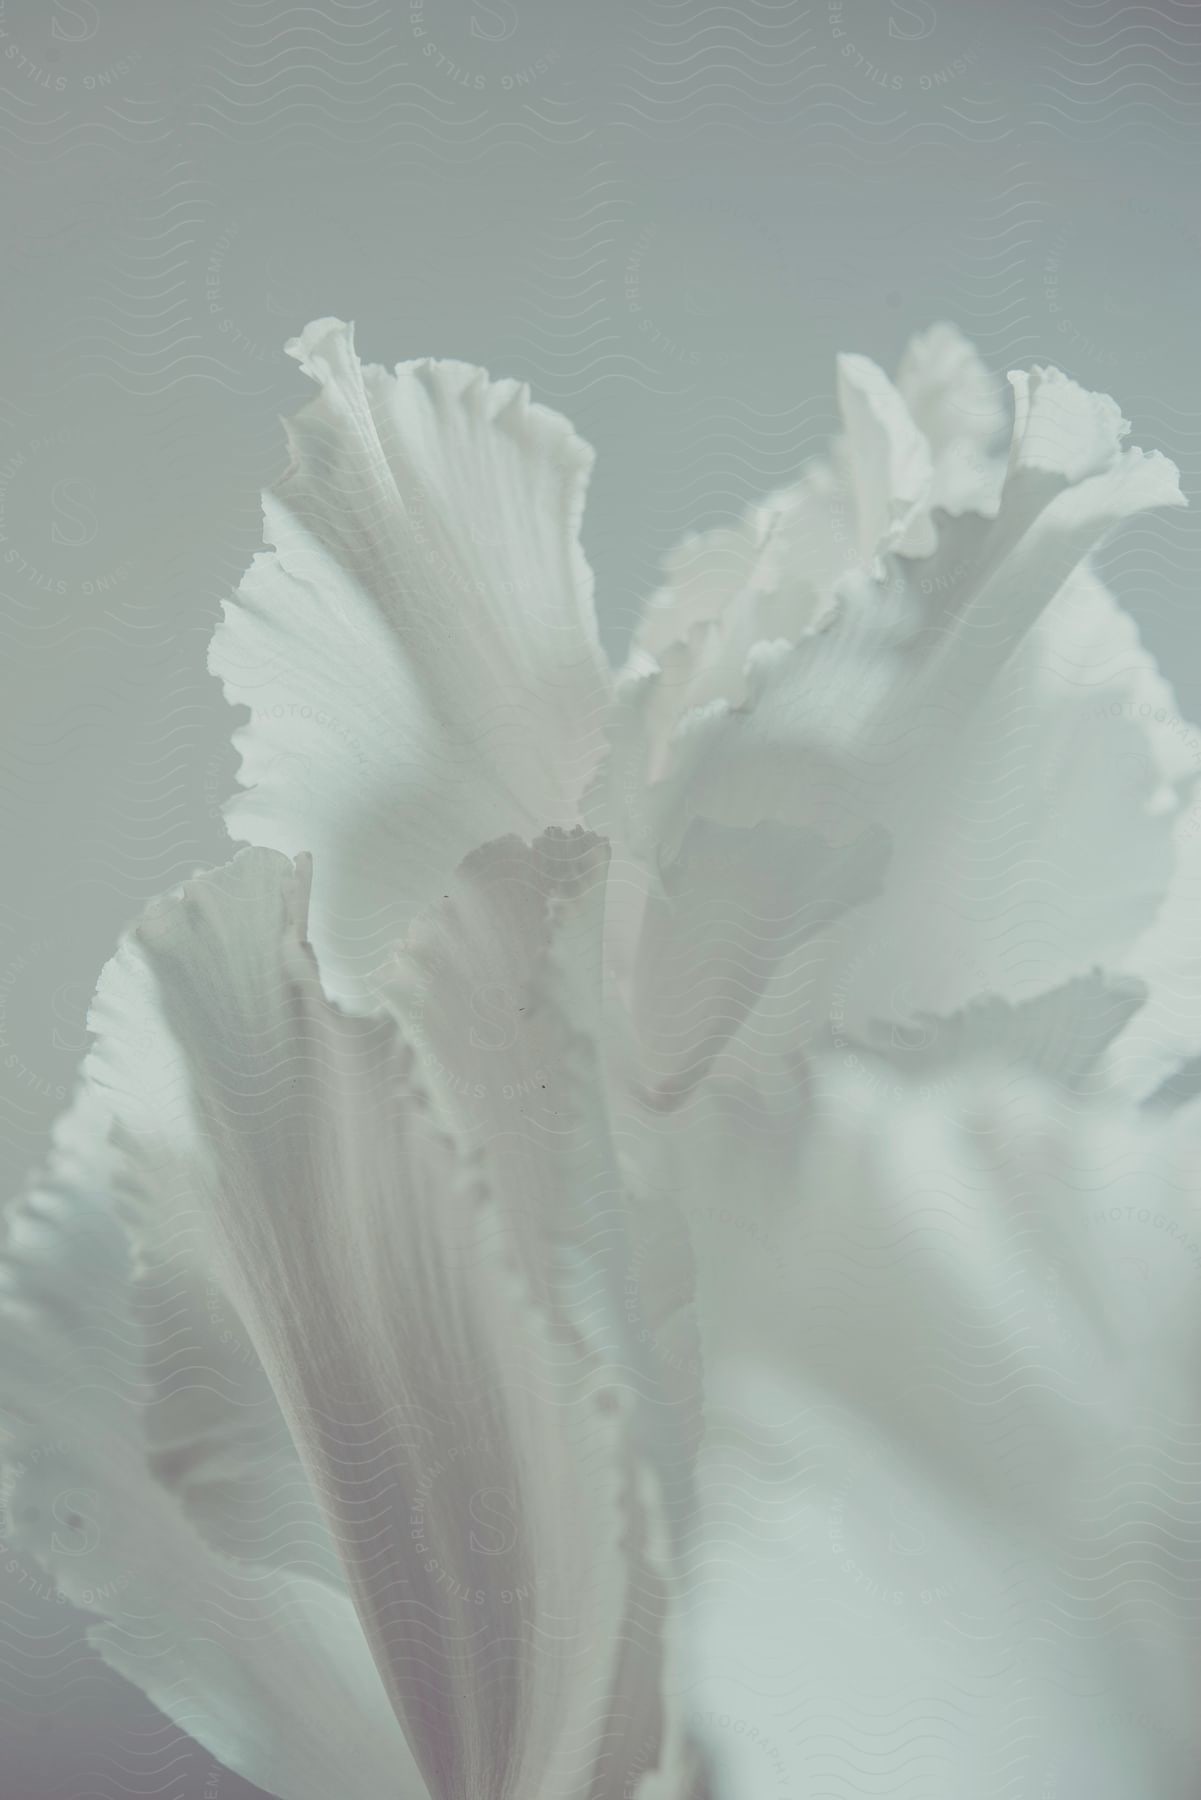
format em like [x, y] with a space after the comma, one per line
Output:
[966, 707]
[472, 1453]
[418, 649]
[500, 989]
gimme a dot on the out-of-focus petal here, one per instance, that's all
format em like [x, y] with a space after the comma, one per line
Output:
[959, 406]
[734, 903]
[887, 463]
[1062, 1034]
[1157, 1054]
[955, 1442]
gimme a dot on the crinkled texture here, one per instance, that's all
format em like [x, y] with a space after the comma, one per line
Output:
[1004, 737]
[1063, 1034]
[732, 1142]
[905, 453]
[418, 649]
[468, 1440]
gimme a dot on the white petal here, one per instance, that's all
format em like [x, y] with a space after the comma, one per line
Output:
[210, 1425]
[956, 1442]
[987, 708]
[160, 1340]
[474, 1456]
[418, 650]
[1033, 830]
[1069, 482]
[499, 988]
[959, 406]
[887, 462]
[734, 903]
[724, 869]
[904, 451]
[214, 1431]
[704, 575]
[1158, 1051]
[1063, 1034]
[267, 1668]
[500, 991]
[472, 978]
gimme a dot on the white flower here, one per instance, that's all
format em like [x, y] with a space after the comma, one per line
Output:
[672, 1271]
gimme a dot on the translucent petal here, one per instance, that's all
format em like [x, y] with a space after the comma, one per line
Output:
[473, 1452]
[949, 1484]
[266, 1666]
[418, 648]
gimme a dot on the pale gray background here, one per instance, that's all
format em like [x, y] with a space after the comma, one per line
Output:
[666, 216]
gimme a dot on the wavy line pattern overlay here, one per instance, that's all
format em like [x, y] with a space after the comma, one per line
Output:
[666, 216]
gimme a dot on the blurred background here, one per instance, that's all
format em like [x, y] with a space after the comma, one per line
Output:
[666, 216]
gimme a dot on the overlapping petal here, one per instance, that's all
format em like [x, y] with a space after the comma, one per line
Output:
[736, 1130]
[905, 452]
[472, 1449]
[267, 1666]
[987, 708]
[418, 648]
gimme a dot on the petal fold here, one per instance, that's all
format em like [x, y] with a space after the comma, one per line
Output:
[473, 1451]
[264, 1665]
[418, 648]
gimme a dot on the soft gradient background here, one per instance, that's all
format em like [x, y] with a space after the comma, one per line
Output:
[666, 216]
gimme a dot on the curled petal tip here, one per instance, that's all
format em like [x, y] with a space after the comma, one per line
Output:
[321, 343]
